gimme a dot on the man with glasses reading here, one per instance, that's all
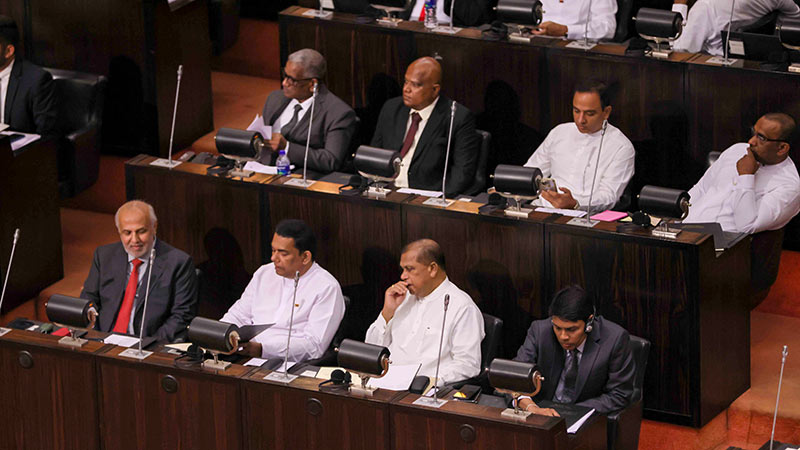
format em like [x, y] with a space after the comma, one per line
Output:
[753, 186]
[287, 111]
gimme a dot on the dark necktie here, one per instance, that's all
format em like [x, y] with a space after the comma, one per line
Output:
[412, 131]
[570, 376]
[124, 314]
[292, 123]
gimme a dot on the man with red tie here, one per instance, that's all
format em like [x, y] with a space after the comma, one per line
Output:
[418, 124]
[120, 272]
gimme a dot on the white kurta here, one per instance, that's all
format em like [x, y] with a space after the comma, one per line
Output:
[573, 14]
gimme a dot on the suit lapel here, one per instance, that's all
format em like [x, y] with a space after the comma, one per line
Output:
[438, 114]
[300, 132]
[158, 270]
[590, 351]
[275, 114]
[554, 370]
[13, 85]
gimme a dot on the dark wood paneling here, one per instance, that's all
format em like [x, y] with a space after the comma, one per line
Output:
[29, 201]
[203, 413]
[299, 416]
[52, 404]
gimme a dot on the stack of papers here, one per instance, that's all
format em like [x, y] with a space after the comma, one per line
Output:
[258, 125]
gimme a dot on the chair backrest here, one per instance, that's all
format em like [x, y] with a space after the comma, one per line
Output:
[641, 350]
[480, 173]
[493, 330]
[339, 336]
[80, 99]
[624, 18]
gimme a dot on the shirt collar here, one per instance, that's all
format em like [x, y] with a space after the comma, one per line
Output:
[596, 134]
[580, 347]
[305, 104]
[425, 112]
[436, 293]
[5, 73]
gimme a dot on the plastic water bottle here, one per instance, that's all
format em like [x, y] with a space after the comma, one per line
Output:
[431, 21]
[283, 163]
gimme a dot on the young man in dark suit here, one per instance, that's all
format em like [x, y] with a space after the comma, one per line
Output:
[418, 123]
[585, 359]
[118, 278]
[27, 95]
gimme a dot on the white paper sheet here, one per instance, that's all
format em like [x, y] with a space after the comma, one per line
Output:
[421, 192]
[183, 346]
[258, 125]
[22, 142]
[255, 362]
[398, 378]
[563, 212]
[577, 425]
[122, 341]
[261, 168]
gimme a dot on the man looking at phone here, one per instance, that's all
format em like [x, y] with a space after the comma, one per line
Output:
[568, 154]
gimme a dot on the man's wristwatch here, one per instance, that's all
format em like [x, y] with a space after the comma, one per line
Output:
[577, 205]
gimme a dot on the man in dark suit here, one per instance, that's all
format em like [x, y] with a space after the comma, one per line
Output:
[585, 359]
[118, 279]
[27, 95]
[287, 111]
[417, 125]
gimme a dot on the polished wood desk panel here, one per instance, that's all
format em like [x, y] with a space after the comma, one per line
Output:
[153, 404]
[458, 425]
[49, 393]
[300, 415]
[665, 291]
[29, 201]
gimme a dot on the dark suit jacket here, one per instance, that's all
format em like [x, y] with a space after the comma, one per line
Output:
[173, 290]
[605, 372]
[30, 101]
[427, 165]
[333, 128]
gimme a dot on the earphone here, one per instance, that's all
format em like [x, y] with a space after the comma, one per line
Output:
[589, 322]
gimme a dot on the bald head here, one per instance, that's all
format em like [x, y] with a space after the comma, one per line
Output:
[427, 251]
[136, 223]
[422, 83]
[786, 124]
[136, 206]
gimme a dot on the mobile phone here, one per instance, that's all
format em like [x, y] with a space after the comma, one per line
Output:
[467, 393]
[548, 184]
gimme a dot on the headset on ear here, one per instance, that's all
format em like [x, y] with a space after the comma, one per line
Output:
[589, 327]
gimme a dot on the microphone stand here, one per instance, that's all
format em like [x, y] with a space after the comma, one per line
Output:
[304, 182]
[4, 330]
[784, 353]
[587, 222]
[141, 354]
[285, 377]
[443, 202]
[169, 163]
[435, 401]
[585, 45]
[448, 29]
[725, 61]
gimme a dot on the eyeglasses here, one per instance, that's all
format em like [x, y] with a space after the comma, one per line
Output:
[763, 139]
[292, 80]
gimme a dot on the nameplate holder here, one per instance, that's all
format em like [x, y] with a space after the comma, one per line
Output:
[281, 377]
[440, 202]
[318, 14]
[163, 162]
[583, 222]
[298, 182]
[517, 416]
[134, 353]
[430, 402]
[582, 45]
[69, 341]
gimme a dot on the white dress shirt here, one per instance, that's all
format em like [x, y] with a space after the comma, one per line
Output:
[5, 76]
[412, 335]
[425, 114]
[288, 113]
[707, 18]
[569, 157]
[573, 13]
[745, 203]
[442, 16]
[268, 299]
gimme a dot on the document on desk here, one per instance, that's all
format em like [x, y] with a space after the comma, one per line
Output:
[19, 140]
[421, 192]
[579, 423]
[398, 378]
[261, 168]
[122, 341]
[258, 125]
[563, 212]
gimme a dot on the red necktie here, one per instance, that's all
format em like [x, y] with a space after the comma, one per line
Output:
[412, 131]
[422, 13]
[124, 315]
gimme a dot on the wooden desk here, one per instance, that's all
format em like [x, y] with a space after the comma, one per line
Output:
[673, 293]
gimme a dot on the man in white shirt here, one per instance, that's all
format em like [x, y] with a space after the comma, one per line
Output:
[268, 299]
[568, 19]
[704, 23]
[569, 154]
[753, 186]
[410, 323]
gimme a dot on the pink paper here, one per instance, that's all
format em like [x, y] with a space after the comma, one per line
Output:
[609, 216]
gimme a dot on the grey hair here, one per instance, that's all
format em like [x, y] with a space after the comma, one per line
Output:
[141, 206]
[312, 62]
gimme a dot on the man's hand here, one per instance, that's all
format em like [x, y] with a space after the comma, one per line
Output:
[747, 165]
[251, 349]
[550, 29]
[277, 142]
[393, 299]
[528, 405]
[562, 201]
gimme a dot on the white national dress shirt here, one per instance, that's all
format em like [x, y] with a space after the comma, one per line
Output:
[573, 13]
[267, 299]
[5, 76]
[745, 203]
[412, 335]
[442, 16]
[288, 113]
[569, 156]
[707, 18]
[425, 114]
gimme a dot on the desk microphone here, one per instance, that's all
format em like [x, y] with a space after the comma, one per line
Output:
[586, 29]
[308, 137]
[596, 166]
[175, 113]
[8, 269]
[291, 315]
[443, 201]
[727, 45]
[784, 353]
[146, 296]
[441, 339]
